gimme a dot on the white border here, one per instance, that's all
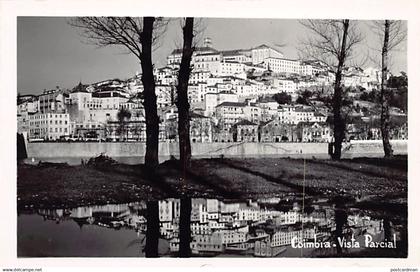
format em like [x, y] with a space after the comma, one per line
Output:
[355, 9]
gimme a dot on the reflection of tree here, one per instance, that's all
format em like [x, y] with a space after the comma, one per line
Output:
[340, 221]
[152, 233]
[185, 228]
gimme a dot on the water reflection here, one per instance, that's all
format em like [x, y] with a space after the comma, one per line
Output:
[201, 227]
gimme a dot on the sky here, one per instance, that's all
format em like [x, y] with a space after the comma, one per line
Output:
[52, 53]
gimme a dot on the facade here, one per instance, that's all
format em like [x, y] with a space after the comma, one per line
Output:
[232, 68]
[285, 85]
[314, 132]
[282, 65]
[261, 53]
[49, 126]
[230, 112]
[51, 101]
[245, 131]
[201, 128]
[126, 131]
[241, 56]
[276, 131]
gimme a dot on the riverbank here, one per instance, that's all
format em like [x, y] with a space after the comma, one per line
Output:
[374, 182]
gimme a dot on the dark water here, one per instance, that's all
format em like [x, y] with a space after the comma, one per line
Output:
[262, 228]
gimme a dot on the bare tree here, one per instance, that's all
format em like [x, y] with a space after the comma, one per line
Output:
[182, 91]
[392, 33]
[137, 35]
[184, 130]
[332, 42]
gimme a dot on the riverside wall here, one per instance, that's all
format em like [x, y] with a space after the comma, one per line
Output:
[47, 150]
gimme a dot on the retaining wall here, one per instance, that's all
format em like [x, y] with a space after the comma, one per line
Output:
[209, 150]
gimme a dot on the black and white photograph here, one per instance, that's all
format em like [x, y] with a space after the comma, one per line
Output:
[203, 140]
[213, 137]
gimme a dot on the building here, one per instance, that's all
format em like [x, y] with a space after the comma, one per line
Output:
[49, 126]
[245, 131]
[127, 130]
[230, 113]
[277, 131]
[212, 99]
[201, 128]
[260, 53]
[314, 132]
[52, 101]
[232, 68]
[282, 65]
[241, 56]
[27, 105]
[288, 86]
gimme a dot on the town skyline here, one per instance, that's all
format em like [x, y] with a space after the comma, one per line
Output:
[43, 39]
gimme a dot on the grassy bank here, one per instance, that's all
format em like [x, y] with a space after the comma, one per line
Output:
[375, 181]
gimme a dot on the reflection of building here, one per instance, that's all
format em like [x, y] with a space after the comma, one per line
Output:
[207, 243]
[217, 227]
[165, 210]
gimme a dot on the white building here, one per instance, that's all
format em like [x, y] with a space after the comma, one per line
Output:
[51, 101]
[285, 85]
[211, 100]
[230, 113]
[282, 65]
[232, 68]
[263, 52]
[207, 62]
[49, 126]
[240, 56]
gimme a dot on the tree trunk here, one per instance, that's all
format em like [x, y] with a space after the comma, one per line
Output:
[152, 232]
[385, 96]
[21, 148]
[339, 123]
[182, 89]
[150, 106]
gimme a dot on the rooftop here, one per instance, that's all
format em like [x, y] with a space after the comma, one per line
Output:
[196, 49]
[245, 123]
[231, 104]
[197, 115]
